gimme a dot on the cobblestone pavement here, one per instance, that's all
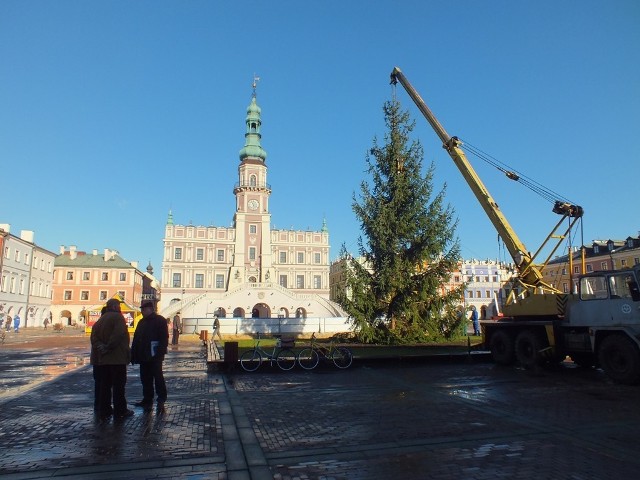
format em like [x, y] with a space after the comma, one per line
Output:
[427, 420]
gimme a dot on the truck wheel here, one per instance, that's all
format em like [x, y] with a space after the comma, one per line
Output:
[528, 347]
[501, 346]
[620, 359]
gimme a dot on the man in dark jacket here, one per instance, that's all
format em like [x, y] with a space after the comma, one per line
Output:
[148, 349]
[110, 355]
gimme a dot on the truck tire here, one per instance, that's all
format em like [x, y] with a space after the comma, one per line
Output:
[501, 345]
[620, 359]
[528, 347]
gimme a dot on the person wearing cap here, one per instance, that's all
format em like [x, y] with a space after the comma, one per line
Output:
[110, 355]
[148, 348]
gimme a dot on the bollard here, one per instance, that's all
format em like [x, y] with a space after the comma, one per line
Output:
[230, 354]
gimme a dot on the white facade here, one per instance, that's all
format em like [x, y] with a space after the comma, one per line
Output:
[248, 270]
[27, 279]
[485, 285]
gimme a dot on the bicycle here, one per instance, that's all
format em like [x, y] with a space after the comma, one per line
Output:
[282, 354]
[309, 357]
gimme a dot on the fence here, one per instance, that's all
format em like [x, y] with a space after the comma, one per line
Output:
[269, 326]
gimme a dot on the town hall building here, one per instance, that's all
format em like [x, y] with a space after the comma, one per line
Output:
[247, 270]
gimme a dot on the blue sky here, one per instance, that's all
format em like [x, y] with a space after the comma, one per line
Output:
[113, 112]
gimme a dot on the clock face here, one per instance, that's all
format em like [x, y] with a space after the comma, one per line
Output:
[253, 204]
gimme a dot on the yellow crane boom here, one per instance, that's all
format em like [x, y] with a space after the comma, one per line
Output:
[530, 274]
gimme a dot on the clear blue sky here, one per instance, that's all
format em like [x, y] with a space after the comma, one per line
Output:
[113, 112]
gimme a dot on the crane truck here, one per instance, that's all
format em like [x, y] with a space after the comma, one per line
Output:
[597, 325]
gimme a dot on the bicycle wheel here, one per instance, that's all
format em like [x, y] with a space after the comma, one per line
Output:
[286, 359]
[342, 357]
[251, 360]
[308, 358]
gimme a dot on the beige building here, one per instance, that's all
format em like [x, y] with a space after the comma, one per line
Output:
[84, 280]
[248, 270]
[562, 272]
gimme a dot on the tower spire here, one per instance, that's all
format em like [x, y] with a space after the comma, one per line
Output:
[252, 147]
[256, 79]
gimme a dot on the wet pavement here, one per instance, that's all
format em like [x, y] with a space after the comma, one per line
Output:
[378, 420]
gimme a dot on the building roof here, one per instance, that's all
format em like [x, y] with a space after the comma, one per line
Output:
[91, 261]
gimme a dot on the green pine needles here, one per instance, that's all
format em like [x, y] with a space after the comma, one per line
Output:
[395, 292]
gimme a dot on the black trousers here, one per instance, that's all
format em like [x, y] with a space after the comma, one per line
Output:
[151, 376]
[112, 380]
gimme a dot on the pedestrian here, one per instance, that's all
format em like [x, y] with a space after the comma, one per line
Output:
[176, 328]
[16, 323]
[149, 346]
[7, 325]
[46, 322]
[474, 319]
[111, 354]
[216, 328]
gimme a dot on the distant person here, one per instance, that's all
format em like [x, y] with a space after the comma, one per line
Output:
[46, 322]
[16, 323]
[176, 329]
[474, 319]
[149, 346]
[216, 328]
[7, 324]
[111, 354]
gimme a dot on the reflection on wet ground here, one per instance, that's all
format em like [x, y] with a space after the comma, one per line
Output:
[26, 369]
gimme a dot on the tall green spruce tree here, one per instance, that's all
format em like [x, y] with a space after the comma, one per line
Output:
[409, 248]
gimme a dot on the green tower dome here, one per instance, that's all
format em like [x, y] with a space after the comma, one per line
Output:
[252, 147]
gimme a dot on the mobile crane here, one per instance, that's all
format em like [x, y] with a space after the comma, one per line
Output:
[599, 325]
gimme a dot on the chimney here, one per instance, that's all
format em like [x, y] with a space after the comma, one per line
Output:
[72, 252]
[6, 227]
[62, 249]
[27, 235]
[107, 254]
[95, 252]
[134, 264]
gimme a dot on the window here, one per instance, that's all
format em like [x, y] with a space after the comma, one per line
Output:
[317, 281]
[565, 287]
[121, 293]
[596, 249]
[604, 266]
[283, 257]
[26, 259]
[253, 229]
[69, 275]
[67, 294]
[177, 254]
[477, 278]
[564, 271]
[486, 279]
[199, 280]
[103, 294]
[219, 280]
[283, 281]
[589, 268]
[86, 276]
[220, 255]
[470, 293]
[300, 257]
[17, 255]
[495, 278]
[199, 254]
[253, 181]
[487, 294]
[478, 294]
[456, 278]
[177, 279]
[84, 295]
[299, 281]
[576, 269]
[123, 276]
[623, 263]
[6, 252]
[593, 288]
[316, 258]
[252, 253]
[105, 276]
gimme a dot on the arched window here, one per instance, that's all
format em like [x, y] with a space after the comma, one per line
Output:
[253, 181]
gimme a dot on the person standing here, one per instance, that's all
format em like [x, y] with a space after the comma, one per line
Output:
[216, 328]
[110, 354]
[7, 325]
[474, 319]
[149, 346]
[176, 329]
[16, 323]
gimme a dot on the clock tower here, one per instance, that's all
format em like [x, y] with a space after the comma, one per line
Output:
[252, 260]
